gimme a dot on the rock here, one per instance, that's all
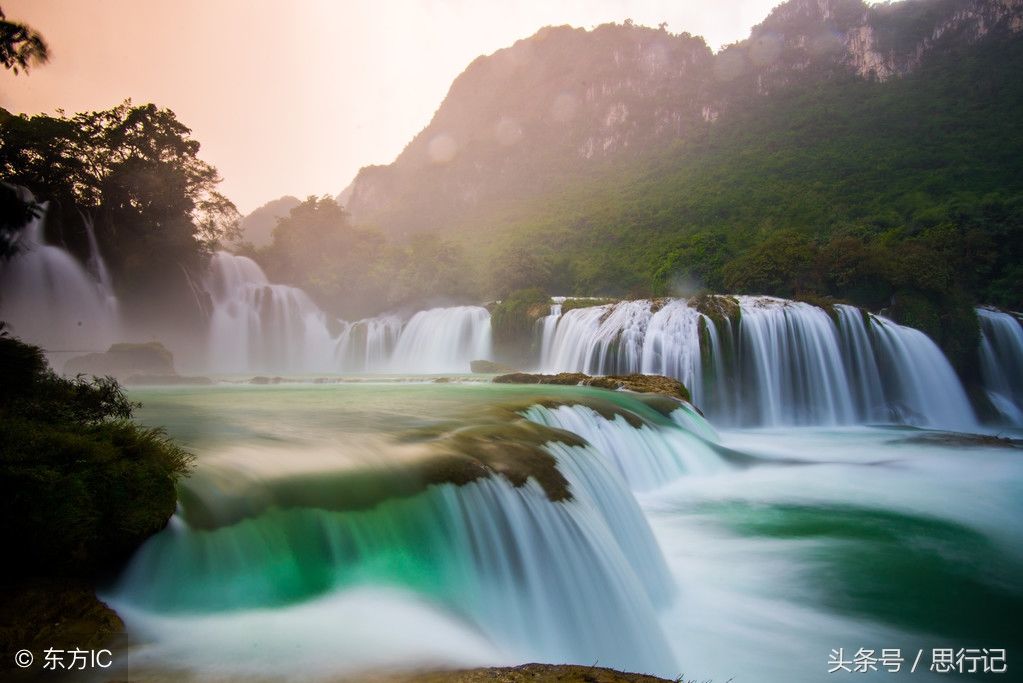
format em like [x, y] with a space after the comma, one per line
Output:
[167, 380]
[124, 360]
[260, 379]
[489, 367]
[60, 613]
[531, 673]
[643, 384]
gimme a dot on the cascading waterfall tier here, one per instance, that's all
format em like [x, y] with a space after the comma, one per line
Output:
[544, 579]
[50, 299]
[1001, 362]
[776, 362]
[259, 326]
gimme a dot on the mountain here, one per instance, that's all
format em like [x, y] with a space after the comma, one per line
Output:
[257, 227]
[567, 105]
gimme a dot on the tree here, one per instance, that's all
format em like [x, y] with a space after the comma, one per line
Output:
[20, 45]
[135, 169]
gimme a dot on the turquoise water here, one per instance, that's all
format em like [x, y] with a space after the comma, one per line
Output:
[744, 554]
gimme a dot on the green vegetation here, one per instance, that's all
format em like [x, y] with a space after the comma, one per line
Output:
[352, 271]
[513, 320]
[81, 485]
[905, 195]
[134, 171]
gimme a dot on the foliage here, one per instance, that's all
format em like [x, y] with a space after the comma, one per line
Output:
[354, 271]
[81, 485]
[873, 193]
[20, 45]
[512, 321]
[135, 170]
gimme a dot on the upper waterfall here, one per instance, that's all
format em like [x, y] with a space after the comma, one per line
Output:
[259, 326]
[49, 298]
[775, 362]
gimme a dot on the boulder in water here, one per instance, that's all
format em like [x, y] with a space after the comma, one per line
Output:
[125, 360]
[489, 367]
[642, 384]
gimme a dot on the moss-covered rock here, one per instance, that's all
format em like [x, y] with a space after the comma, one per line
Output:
[718, 307]
[655, 384]
[586, 302]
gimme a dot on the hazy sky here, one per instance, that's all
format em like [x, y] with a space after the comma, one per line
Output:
[293, 97]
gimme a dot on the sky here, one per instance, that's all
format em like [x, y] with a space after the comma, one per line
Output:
[294, 97]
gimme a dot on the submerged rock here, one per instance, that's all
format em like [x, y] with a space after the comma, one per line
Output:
[643, 384]
[125, 360]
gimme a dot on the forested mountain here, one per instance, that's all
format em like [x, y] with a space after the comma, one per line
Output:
[865, 153]
[568, 103]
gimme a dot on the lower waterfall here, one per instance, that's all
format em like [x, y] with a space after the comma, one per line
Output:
[541, 578]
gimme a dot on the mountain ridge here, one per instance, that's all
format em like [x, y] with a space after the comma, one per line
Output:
[566, 101]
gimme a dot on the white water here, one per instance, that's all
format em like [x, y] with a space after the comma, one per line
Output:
[259, 326]
[813, 539]
[540, 581]
[443, 340]
[1001, 362]
[256, 326]
[787, 362]
[48, 298]
[645, 457]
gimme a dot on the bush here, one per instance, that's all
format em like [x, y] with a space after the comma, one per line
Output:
[81, 485]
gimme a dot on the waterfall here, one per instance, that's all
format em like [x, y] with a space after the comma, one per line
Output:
[542, 579]
[549, 323]
[599, 340]
[1001, 362]
[366, 345]
[918, 378]
[443, 340]
[257, 326]
[48, 298]
[646, 457]
[778, 362]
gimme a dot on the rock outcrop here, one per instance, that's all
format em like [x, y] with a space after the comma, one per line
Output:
[643, 384]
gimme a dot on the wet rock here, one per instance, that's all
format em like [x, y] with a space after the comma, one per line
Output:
[644, 384]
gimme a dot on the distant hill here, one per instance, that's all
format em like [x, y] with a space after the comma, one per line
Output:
[257, 227]
[566, 104]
